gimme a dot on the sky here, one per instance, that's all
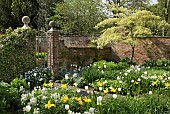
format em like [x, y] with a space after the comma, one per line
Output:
[154, 1]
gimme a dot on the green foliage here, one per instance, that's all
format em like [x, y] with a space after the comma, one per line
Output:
[103, 69]
[77, 16]
[157, 64]
[19, 83]
[9, 99]
[37, 76]
[17, 54]
[149, 104]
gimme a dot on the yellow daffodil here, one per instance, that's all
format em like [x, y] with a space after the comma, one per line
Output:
[50, 84]
[49, 105]
[63, 86]
[65, 98]
[80, 102]
[167, 85]
[113, 90]
[106, 90]
[44, 84]
[86, 100]
[136, 82]
[99, 84]
[155, 83]
[77, 98]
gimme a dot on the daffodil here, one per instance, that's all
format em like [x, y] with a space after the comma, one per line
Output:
[80, 102]
[77, 98]
[167, 85]
[65, 98]
[155, 83]
[44, 84]
[86, 100]
[106, 90]
[63, 86]
[99, 84]
[136, 82]
[50, 84]
[49, 105]
[113, 90]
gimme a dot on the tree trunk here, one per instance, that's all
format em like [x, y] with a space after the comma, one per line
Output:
[132, 56]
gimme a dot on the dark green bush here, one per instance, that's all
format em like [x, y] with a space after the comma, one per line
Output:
[17, 53]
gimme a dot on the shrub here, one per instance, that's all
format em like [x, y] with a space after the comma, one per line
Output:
[17, 53]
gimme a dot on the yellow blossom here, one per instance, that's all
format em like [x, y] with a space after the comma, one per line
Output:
[65, 98]
[106, 90]
[44, 84]
[99, 83]
[136, 82]
[113, 90]
[86, 99]
[49, 105]
[77, 98]
[155, 83]
[167, 85]
[50, 84]
[63, 86]
[80, 102]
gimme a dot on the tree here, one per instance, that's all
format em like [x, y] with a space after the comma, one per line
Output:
[78, 16]
[162, 9]
[126, 27]
[131, 4]
[6, 19]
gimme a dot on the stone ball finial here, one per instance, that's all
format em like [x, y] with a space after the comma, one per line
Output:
[25, 20]
[52, 24]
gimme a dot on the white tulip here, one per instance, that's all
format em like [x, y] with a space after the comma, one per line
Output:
[27, 108]
[114, 96]
[67, 107]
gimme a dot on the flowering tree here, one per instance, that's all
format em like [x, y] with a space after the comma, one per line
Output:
[125, 27]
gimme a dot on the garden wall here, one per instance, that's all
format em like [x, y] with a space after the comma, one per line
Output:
[78, 50]
[147, 48]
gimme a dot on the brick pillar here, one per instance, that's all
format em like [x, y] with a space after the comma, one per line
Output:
[53, 50]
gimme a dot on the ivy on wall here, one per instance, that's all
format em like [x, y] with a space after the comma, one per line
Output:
[17, 52]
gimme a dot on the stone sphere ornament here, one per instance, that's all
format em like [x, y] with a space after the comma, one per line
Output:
[26, 21]
[52, 24]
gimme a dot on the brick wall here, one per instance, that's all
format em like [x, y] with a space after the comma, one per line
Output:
[146, 48]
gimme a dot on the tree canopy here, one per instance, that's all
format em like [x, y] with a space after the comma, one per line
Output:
[78, 16]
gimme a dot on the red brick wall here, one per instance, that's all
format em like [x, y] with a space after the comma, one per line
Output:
[146, 48]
